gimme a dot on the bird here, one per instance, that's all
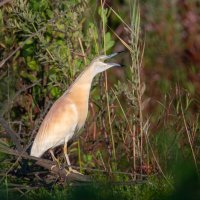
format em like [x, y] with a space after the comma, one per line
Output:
[69, 112]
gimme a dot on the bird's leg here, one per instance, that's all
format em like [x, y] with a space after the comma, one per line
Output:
[68, 162]
[66, 155]
[54, 159]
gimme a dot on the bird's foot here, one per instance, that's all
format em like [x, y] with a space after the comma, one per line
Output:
[72, 171]
[57, 164]
[53, 166]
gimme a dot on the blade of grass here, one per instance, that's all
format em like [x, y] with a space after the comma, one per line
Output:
[188, 135]
[106, 83]
[121, 40]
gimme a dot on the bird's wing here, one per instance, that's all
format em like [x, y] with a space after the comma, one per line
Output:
[58, 125]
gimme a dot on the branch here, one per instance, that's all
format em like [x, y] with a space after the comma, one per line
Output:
[47, 164]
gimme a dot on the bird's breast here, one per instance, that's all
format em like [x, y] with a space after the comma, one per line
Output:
[82, 107]
[82, 118]
[80, 97]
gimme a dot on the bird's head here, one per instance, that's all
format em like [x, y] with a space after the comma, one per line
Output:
[99, 64]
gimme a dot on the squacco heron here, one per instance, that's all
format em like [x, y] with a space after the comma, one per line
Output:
[69, 112]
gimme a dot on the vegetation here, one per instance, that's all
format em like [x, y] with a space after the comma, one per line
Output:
[142, 136]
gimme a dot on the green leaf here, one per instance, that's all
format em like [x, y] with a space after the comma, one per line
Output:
[190, 87]
[28, 50]
[109, 43]
[103, 13]
[28, 76]
[33, 65]
[50, 14]
[55, 92]
[29, 41]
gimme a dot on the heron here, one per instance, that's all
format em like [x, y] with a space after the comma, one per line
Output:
[69, 112]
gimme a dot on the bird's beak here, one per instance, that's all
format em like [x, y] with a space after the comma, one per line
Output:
[111, 56]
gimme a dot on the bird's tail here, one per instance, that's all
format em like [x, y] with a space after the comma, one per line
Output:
[35, 151]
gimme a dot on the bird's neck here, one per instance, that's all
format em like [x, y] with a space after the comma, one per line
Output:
[79, 93]
[86, 77]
